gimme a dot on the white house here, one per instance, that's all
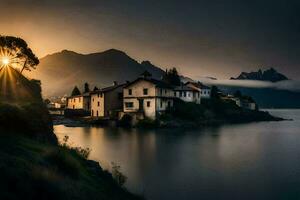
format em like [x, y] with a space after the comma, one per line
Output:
[205, 91]
[147, 97]
[79, 102]
[106, 102]
[187, 94]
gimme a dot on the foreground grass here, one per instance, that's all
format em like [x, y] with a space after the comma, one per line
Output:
[33, 170]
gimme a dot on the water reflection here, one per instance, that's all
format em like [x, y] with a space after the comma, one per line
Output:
[249, 161]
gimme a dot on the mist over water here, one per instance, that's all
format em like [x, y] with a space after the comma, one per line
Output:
[247, 161]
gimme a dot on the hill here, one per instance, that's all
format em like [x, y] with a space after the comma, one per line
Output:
[268, 75]
[32, 163]
[59, 72]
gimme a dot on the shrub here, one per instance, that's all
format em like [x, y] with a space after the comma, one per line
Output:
[119, 177]
[146, 123]
[125, 121]
[64, 162]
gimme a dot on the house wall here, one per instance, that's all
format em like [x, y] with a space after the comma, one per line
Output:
[162, 104]
[97, 110]
[137, 89]
[113, 101]
[205, 93]
[154, 97]
[189, 96]
[164, 92]
[79, 102]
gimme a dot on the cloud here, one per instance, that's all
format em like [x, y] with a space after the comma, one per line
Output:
[290, 85]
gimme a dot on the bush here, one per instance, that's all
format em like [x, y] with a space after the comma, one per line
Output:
[188, 111]
[146, 123]
[126, 121]
[118, 176]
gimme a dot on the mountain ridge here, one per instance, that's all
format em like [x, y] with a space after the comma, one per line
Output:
[61, 71]
[268, 75]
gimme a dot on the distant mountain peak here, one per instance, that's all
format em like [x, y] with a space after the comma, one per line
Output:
[100, 69]
[268, 75]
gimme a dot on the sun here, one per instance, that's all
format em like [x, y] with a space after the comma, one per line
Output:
[5, 61]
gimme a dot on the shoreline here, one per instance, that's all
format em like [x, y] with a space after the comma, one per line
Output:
[174, 123]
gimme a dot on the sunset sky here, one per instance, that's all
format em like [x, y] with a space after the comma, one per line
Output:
[200, 38]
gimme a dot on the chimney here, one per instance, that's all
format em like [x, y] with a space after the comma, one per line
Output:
[115, 83]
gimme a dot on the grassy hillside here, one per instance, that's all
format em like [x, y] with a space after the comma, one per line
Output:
[34, 170]
[32, 164]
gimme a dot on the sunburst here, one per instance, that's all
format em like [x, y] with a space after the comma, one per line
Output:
[9, 58]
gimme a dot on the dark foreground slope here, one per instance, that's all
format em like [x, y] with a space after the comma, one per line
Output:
[31, 170]
[32, 164]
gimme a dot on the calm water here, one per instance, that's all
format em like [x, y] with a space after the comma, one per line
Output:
[249, 161]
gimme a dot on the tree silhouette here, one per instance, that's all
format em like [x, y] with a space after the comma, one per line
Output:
[171, 76]
[18, 53]
[215, 92]
[76, 91]
[95, 88]
[86, 88]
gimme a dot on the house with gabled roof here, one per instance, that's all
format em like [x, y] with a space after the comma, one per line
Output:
[107, 102]
[187, 94]
[79, 102]
[205, 91]
[146, 97]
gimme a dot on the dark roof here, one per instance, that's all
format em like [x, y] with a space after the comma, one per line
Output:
[108, 89]
[157, 83]
[80, 95]
[199, 85]
[184, 88]
[146, 74]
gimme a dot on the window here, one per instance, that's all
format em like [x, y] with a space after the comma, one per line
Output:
[145, 91]
[174, 94]
[161, 104]
[188, 94]
[98, 103]
[184, 94]
[129, 104]
[93, 99]
[129, 91]
[166, 91]
[73, 107]
[92, 112]
[148, 103]
[97, 113]
[161, 91]
[98, 95]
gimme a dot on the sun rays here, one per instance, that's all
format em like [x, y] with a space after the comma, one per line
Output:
[9, 58]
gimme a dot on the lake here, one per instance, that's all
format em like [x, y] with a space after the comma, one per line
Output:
[246, 161]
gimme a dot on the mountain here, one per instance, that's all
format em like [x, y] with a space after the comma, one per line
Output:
[60, 72]
[269, 75]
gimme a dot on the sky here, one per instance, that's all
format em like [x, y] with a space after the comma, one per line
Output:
[201, 38]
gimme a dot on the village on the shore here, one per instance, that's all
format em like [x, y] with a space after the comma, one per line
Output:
[142, 98]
